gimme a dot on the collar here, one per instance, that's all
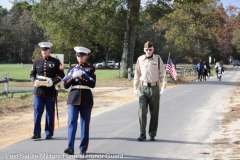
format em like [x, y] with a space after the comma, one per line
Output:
[82, 64]
[149, 57]
[46, 57]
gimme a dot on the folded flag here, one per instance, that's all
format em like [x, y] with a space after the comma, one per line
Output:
[69, 75]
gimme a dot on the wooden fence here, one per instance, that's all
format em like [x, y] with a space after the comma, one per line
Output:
[182, 71]
[6, 90]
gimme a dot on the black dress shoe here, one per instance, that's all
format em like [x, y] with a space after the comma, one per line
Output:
[49, 137]
[141, 137]
[69, 151]
[152, 138]
[36, 136]
[83, 153]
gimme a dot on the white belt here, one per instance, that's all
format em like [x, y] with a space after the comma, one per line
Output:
[43, 77]
[80, 87]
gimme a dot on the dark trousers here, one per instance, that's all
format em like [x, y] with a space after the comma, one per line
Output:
[50, 115]
[200, 75]
[149, 96]
[85, 116]
[208, 73]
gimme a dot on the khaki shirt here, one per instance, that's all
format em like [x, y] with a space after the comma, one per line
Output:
[146, 70]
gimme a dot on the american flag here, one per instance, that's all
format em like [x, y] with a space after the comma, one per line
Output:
[78, 68]
[171, 69]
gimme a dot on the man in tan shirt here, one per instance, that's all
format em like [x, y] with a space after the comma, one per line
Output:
[149, 72]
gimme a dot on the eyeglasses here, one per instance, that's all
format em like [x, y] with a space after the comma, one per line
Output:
[148, 49]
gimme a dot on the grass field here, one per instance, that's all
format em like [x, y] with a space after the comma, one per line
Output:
[18, 71]
[105, 77]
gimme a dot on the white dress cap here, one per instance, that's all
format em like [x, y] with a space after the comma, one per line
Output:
[45, 44]
[80, 49]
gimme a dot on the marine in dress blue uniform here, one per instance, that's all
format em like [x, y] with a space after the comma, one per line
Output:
[80, 101]
[50, 70]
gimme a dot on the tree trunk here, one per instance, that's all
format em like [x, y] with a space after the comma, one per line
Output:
[130, 36]
[123, 66]
[107, 57]
[132, 47]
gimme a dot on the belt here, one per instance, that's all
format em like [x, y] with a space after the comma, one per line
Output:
[149, 84]
[42, 78]
[80, 87]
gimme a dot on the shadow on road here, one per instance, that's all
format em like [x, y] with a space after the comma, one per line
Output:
[161, 141]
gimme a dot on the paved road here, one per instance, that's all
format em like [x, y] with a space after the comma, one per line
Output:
[189, 114]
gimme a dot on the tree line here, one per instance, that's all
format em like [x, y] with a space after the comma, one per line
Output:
[117, 29]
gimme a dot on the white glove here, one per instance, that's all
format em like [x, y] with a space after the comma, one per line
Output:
[163, 89]
[135, 92]
[50, 82]
[77, 73]
[35, 83]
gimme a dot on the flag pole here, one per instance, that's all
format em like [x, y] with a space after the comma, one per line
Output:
[167, 64]
[165, 79]
[166, 68]
[168, 57]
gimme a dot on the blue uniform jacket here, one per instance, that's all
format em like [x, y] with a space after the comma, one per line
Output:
[81, 96]
[50, 67]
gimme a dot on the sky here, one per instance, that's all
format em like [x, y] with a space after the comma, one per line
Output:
[8, 5]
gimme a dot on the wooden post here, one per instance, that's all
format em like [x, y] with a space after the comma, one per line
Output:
[5, 84]
[184, 72]
[129, 74]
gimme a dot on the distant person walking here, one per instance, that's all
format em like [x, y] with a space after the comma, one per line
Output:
[219, 69]
[208, 70]
[205, 70]
[49, 70]
[200, 70]
[149, 71]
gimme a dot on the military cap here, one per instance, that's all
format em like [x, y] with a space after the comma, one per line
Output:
[148, 44]
[45, 45]
[81, 50]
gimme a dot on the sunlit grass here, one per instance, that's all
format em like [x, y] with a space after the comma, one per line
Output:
[18, 71]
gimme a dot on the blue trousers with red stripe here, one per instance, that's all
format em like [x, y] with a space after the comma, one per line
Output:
[50, 114]
[85, 116]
